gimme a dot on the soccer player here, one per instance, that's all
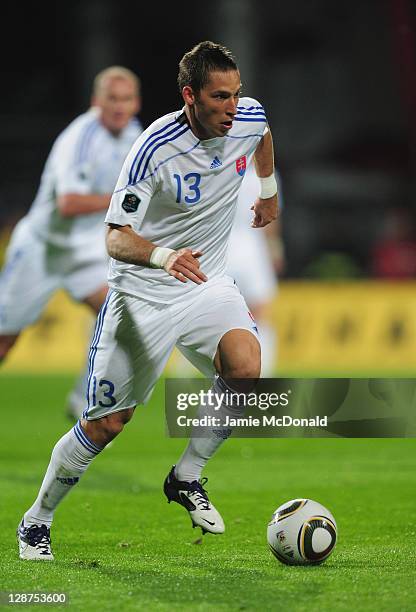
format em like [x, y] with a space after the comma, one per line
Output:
[60, 243]
[169, 221]
[255, 257]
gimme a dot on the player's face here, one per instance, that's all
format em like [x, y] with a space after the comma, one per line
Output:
[119, 101]
[213, 109]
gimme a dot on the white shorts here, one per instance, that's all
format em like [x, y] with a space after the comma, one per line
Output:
[34, 270]
[134, 338]
[250, 266]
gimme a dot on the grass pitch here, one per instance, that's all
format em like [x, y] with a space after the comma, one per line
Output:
[118, 545]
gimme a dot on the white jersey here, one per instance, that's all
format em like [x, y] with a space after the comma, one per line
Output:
[85, 158]
[178, 191]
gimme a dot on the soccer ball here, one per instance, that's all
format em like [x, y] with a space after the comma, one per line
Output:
[302, 532]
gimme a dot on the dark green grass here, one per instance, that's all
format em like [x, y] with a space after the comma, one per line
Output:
[118, 545]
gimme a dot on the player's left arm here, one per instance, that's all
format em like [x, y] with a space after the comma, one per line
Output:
[265, 207]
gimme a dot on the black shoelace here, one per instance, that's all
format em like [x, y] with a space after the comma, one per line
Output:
[40, 537]
[199, 494]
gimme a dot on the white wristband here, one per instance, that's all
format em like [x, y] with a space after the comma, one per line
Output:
[159, 256]
[268, 187]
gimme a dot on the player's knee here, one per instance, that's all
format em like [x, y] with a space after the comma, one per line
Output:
[103, 430]
[243, 360]
[238, 354]
[114, 423]
[244, 364]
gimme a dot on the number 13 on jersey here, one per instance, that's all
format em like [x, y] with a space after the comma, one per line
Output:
[189, 187]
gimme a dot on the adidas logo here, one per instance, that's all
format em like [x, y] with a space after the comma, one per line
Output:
[216, 163]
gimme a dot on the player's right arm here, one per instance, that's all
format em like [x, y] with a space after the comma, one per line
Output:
[124, 244]
[265, 208]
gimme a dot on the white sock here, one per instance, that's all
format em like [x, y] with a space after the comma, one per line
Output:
[70, 458]
[201, 449]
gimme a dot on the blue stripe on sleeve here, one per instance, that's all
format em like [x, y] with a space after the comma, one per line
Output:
[261, 119]
[150, 145]
[164, 161]
[248, 108]
[251, 113]
[171, 157]
[132, 172]
[177, 135]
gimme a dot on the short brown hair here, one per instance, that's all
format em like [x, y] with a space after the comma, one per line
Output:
[206, 57]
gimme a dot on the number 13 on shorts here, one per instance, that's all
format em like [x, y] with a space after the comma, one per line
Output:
[105, 389]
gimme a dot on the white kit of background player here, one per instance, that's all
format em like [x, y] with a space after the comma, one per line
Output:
[60, 243]
[177, 190]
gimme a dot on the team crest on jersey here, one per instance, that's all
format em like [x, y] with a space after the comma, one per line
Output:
[240, 165]
[130, 202]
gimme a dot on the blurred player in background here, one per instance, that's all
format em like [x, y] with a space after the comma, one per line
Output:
[172, 209]
[60, 243]
[255, 257]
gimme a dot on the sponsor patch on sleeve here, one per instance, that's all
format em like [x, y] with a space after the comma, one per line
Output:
[130, 202]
